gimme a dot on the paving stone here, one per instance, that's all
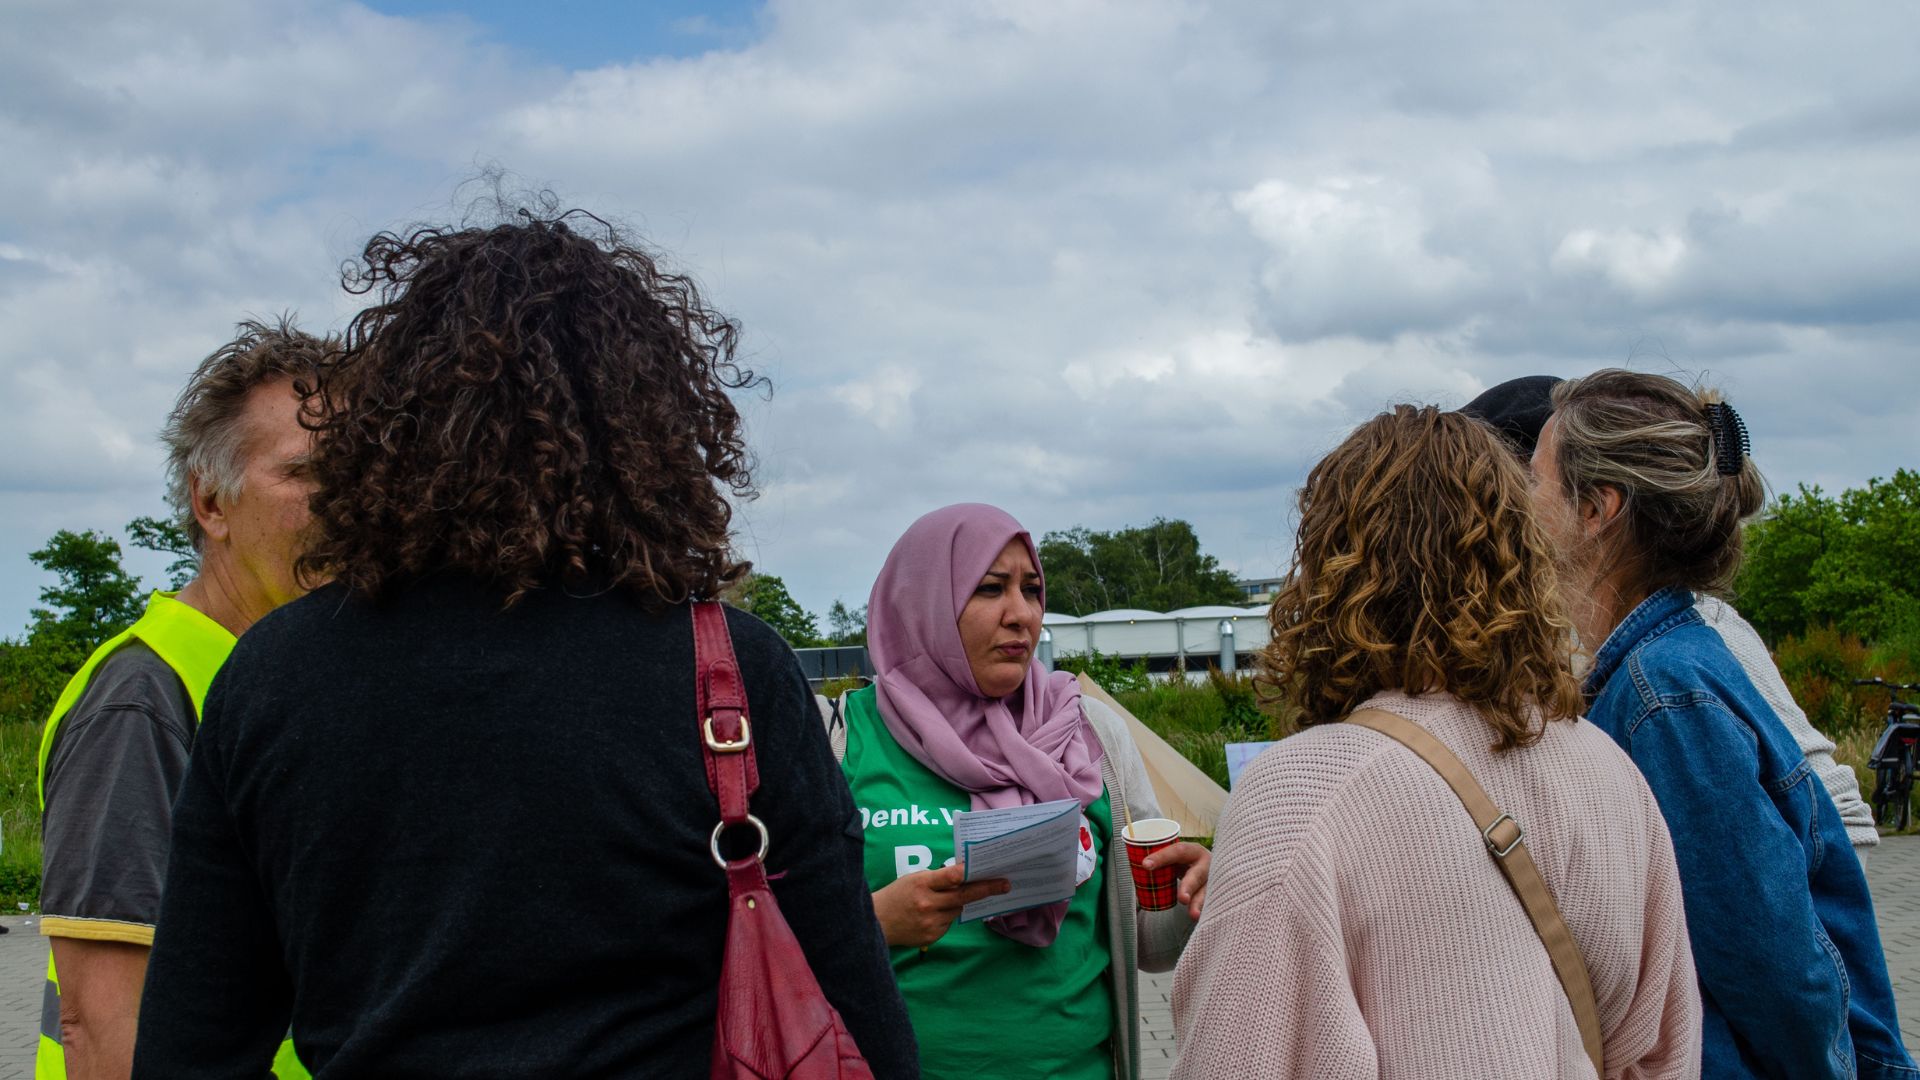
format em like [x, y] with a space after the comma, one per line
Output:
[1893, 872]
[23, 977]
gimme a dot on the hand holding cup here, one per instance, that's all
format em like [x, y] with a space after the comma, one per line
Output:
[1166, 869]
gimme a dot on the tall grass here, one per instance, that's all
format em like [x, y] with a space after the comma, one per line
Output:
[1851, 749]
[1200, 715]
[19, 815]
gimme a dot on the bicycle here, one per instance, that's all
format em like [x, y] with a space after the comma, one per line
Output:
[1894, 756]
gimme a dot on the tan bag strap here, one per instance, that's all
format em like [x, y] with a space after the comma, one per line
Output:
[1502, 835]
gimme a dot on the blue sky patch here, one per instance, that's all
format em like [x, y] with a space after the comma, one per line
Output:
[582, 34]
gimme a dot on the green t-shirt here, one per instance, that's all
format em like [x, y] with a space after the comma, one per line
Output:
[983, 1005]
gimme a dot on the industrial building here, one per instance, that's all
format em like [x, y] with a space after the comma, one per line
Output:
[1188, 639]
[1260, 590]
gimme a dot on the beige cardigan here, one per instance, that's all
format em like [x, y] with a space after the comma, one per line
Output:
[1137, 940]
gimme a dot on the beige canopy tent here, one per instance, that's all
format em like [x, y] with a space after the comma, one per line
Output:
[1185, 794]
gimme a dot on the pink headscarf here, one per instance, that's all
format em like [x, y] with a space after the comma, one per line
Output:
[1031, 746]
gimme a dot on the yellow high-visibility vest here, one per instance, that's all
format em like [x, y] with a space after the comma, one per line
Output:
[195, 647]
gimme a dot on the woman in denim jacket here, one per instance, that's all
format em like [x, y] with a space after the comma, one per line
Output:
[1643, 484]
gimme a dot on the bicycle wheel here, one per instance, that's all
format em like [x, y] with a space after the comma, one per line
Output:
[1885, 782]
[1903, 789]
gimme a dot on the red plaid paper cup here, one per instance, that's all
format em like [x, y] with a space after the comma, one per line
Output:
[1154, 889]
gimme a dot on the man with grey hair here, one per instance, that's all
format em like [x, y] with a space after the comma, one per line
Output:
[115, 748]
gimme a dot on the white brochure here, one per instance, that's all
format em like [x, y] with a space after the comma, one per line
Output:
[1033, 847]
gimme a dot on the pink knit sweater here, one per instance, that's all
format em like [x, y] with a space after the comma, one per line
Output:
[1355, 925]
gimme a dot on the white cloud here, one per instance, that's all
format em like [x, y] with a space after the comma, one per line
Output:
[1352, 254]
[884, 398]
[1638, 262]
[1095, 261]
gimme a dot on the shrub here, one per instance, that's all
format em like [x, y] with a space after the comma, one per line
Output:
[846, 684]
[19, 885]
[32, 674]
[1240, 714]
[19, 814]
[1819, 668]
[1116, 676]
[1199, 718]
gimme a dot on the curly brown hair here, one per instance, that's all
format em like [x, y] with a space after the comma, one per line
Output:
[1418, 567]
[531, 406]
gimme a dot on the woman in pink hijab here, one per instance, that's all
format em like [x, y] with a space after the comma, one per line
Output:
[963, 717]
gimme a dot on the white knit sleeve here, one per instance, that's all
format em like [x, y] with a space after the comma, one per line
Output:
[1842, 785]
[1115, 740]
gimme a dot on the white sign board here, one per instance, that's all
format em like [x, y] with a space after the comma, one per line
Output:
[1238, 755]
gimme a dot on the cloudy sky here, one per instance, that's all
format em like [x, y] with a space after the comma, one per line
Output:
[1094, 262]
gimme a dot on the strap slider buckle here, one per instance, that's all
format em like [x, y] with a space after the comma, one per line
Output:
[1494, 845]
[728, 746]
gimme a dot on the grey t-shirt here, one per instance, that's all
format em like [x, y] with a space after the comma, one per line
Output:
[117, 762]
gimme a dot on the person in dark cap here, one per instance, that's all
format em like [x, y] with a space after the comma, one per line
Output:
[1643, 483]
[1517, 409]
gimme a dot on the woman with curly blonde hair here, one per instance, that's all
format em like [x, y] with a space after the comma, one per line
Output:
[1358, 921]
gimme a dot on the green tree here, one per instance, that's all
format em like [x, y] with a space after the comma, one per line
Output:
[92, 599]
[1868, 582]
[766, 596]
[31, 678]
[1782, 547]
[1852, 562]
[846, 626]
[167, 538]
[1158, 566]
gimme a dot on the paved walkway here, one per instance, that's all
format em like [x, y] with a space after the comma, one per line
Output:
[23, 977]
[1893, 870]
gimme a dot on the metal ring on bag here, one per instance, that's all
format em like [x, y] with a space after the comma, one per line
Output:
[714, 844]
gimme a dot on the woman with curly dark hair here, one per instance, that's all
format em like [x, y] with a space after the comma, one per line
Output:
[448, 815]
[1359, 918]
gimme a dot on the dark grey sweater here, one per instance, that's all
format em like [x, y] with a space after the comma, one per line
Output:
[446, 840]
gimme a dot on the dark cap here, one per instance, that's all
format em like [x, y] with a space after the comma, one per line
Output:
[1517, 409]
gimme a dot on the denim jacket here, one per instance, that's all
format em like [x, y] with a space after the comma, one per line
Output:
[1792, 978]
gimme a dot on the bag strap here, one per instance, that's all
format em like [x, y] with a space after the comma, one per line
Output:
[726, 735]
[1502, 835]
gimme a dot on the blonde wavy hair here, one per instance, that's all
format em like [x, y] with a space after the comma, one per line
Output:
[1650, 438]
[1418, 567]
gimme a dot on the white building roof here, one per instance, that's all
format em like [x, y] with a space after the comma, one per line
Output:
[1139, 615]
[1215, 611]
[1123, 615]
[1132, 632]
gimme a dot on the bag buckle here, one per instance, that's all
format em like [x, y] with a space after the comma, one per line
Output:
[1494, 845]
[713, 844]
[728, 746]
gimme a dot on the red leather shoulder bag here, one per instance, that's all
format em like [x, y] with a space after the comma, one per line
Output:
[774, 1020]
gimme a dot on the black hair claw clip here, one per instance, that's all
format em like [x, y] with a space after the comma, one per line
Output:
[1730, 443]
